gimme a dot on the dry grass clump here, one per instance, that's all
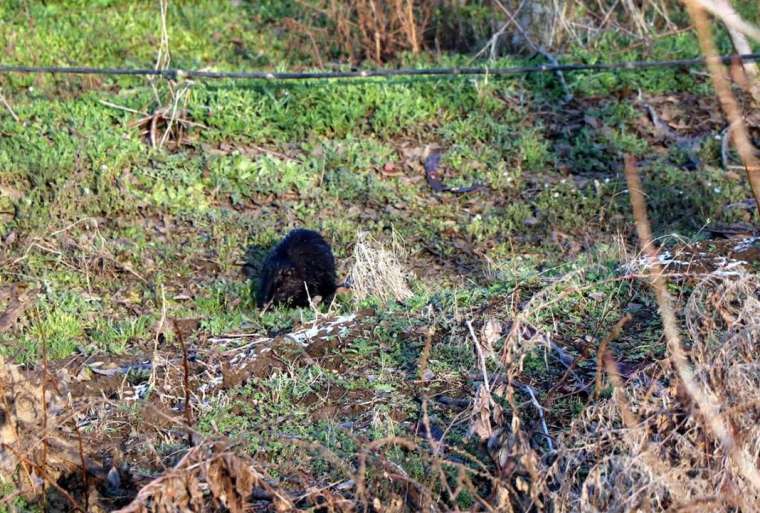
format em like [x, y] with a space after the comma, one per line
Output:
[377, 271]
[650, 448]
[379, 31]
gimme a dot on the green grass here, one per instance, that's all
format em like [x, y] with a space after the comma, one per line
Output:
[74, 157]
[18, 503]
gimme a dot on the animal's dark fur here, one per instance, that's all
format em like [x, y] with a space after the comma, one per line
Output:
[303, 256]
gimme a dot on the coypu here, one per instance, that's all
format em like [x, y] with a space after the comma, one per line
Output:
[302, 259]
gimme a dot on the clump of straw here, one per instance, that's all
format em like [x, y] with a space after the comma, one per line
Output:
[377, 270]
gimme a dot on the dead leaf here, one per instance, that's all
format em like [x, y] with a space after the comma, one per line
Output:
[18, 302]
[11, 192]
[522, 485]
[481, 414]
[389, 169]
[490, 334]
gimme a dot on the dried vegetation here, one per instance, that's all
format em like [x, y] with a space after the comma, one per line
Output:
[647, 447]
[368, 30]
[377, 271]
[664, 457]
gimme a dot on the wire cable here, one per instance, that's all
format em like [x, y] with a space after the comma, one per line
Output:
[178, 74]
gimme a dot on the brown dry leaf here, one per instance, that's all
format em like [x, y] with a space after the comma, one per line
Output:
[669, 112]
[490, 334]
[19, 300]
[500, 499]
[481, 414]
[414, 153]
[221, 486]
[205, 472]
[390, 169]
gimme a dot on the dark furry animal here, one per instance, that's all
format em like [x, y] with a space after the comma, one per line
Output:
[302, 257]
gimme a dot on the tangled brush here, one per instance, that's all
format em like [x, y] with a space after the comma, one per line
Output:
[649, 448]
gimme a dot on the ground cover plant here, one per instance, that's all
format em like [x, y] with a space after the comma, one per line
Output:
[500, 348]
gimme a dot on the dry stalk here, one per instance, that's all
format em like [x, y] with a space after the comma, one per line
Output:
[46, 478]
[185, 378]
[708, 406]
[169, 111]
[436, 446]
[82, 461]
[741, 45]
[730, 18]
[602, 353]
[43, 386]
[7, 105]
[640, 20]
[637, 16]
[178, 96]
[367, 29]
[422, 363]
[207, 471]
[163, 54]
[481, 355]
[647, 452]
[157, 337]
[405, 14]
[718, 72]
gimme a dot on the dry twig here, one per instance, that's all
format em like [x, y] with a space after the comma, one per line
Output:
[9, 108]
[737, 127]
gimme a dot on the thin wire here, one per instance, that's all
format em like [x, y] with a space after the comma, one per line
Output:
[176, 74]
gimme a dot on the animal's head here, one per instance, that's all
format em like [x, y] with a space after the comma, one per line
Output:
[284, 285]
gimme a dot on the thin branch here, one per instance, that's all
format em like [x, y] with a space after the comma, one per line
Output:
[185, 378]
[727, 99]
[739, 40]
[9, 108]
[731, 19]
[602, 353]
[540, 410]
[481, 356]
[121, 107]
[157, 337]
